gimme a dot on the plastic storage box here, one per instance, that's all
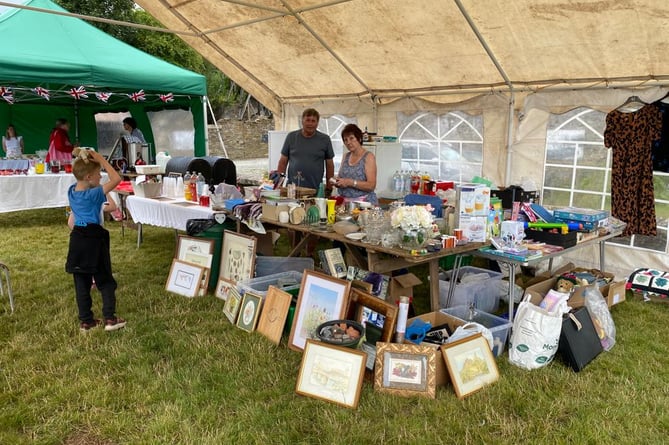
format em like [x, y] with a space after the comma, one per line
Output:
[286, 281]
[499, 327]
[482, 294]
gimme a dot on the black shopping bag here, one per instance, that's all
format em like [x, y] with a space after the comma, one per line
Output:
[579, 343]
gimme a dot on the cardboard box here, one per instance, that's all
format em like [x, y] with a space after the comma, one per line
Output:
[611, 291]
[437, 319]
[402, 285]
[271, 212]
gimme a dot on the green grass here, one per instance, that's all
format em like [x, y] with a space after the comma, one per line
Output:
[181, 373]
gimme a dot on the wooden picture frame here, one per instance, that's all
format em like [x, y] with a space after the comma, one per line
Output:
[406, 370]
[360, 300]
[331, 373]
[184, 278]
[232, 304]
[223, 288]
[237, 256]
[274, 314]
[322, 298]
[470, 364]
[249, 311]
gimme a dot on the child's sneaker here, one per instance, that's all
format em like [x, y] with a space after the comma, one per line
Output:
[86, 326]
[112, 324]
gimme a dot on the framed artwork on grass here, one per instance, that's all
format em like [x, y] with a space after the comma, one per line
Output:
[193, 246]
[238, 256]
[274, 313]
[470, 364]
[231, 306]
[249, 311]
[223, 288]
[322, 298]
[406, 370]
[360, 300]
[185, 278]
[331, 373]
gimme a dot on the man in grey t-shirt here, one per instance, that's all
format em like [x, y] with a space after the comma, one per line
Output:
[306, 153]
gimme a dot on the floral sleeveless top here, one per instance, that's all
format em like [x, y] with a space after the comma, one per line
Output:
[356, 172]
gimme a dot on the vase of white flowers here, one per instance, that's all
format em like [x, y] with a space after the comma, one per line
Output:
[414, 224]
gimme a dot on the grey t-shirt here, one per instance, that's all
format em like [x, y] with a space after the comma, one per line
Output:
[307, 155]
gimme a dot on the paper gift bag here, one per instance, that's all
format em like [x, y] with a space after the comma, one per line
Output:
[579, 343]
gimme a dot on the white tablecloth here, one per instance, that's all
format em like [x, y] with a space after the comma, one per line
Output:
[163, 212]
[21, 192]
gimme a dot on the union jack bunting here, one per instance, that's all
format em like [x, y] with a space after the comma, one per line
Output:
[104, 97]
[78, 93]
[169, 97]
[136, 97]
[42, 92]
[7, 94]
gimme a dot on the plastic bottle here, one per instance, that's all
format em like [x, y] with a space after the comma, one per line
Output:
[187, 194]
[193, 187]
[398, 182]
[321, 190]
[201, 184]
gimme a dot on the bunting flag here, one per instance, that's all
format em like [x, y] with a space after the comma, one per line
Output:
[104, 97]
[78, 93]
[136, 97]
[42, 92]
[169, 97]
[7, 94]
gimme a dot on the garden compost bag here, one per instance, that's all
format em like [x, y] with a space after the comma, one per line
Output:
[535, 335]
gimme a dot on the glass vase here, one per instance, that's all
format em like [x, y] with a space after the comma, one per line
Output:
[413, 239]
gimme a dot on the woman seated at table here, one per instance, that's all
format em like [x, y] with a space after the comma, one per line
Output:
[356, 180]
[11, 143]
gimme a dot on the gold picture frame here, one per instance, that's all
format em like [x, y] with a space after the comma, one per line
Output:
[249, 311]
[405, 370]
[331, 373]
[322, 298]
[470, 364]
[237, 256]
[232, 304]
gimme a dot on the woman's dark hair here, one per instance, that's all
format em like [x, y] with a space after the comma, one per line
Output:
[61, 121]
[352, 129]
[130, 121]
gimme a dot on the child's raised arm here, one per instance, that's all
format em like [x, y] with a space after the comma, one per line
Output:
[114, 177]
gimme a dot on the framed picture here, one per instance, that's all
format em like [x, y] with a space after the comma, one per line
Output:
[360, 300]
[405, 370]
[184, 278]
[249, 311]
[322, 298]
[223, 288]
[238, 256]
[231, 306]
[274, 313]
[192, 246]
[470, 364]
[331, 373]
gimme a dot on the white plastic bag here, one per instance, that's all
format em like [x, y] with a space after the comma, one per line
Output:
[471, 328]
[601, 316]
[535, 335]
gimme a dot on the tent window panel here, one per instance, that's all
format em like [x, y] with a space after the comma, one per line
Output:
[458, 125]
[173, 131]
[592, 180]
[428, 151]
[587, 200]
[557, 198]
[560, 153]
[658, 242]
[473, 152]
[109, 128]
[593, 155]
[558, 177]
[410, 150]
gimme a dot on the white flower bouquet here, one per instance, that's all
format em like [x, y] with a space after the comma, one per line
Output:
[412, 217]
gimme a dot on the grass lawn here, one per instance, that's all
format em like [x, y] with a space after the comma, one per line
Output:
[180, 373]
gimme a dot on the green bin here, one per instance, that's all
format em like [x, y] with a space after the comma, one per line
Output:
[215, 232]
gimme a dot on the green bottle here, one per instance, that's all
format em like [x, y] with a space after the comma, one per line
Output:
[321, 190]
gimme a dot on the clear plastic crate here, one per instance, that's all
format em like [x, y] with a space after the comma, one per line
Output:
[289, 281]
[482, 294]
[498, 326]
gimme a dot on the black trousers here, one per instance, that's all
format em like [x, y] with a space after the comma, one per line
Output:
[105, 283]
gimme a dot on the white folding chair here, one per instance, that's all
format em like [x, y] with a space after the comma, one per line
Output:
[6, 285]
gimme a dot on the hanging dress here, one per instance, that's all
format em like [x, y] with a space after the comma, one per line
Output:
[630, 137]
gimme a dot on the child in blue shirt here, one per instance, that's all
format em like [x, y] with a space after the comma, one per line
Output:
[89, 256]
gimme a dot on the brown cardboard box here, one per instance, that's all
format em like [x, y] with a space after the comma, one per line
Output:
[271, 212]
[611, 291]
[402, 285]
[436, 319]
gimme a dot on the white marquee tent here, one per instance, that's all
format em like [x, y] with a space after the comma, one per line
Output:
[514, 62]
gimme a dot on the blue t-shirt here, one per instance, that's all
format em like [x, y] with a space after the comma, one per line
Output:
[307, 156]
[86, 205]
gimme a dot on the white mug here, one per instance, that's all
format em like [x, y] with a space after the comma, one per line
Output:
[284, 217]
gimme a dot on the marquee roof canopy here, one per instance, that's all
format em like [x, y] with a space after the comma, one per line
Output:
[284, 51]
